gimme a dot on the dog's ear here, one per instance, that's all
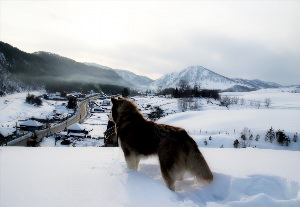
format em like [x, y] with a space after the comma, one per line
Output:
[114, 101]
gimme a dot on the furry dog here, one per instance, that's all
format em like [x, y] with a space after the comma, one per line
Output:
[176, 150]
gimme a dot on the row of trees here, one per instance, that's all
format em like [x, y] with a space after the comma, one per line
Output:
[185, 91]
[271, 135]
[231, 100]
[279, 136]
[83, 87]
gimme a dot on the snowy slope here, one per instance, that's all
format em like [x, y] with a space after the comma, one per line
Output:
[257, 83]
[268, 175]
[194, 75]
[81, 177]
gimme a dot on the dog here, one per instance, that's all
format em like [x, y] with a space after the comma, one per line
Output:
[177, 151]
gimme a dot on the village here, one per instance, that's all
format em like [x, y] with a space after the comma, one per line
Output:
[56, 123]
[98, 129]
[56, 120]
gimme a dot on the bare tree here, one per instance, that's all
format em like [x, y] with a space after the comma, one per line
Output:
[257, 104]
[225, 101]
[182, 104]
[242, 101]
[268, 102]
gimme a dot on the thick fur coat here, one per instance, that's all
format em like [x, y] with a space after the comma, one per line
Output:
[177, 151]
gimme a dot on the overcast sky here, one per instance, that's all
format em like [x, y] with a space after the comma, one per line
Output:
[244, 39]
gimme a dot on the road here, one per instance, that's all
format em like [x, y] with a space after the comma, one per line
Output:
[79, 116]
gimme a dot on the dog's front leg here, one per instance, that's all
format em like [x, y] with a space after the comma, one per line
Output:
[132, 161]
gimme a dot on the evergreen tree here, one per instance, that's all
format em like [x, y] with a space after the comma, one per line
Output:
[30, 98]
[125, 92]
[72, 103]
[257, 137]
[38, 101]
[270, 136]
[281, 137]
[176, 93]
[295, 138]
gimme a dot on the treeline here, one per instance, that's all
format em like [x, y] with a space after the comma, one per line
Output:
[59, 86]
[185, 91]
[271, 136]
[177, 93]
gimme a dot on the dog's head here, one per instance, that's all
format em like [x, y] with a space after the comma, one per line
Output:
[121, 107]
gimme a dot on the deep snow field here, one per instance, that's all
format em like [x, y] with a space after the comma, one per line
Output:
[264, 174]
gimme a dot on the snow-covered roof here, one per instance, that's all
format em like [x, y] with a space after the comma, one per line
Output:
[77, 134]
[31, 123]
[77, 127]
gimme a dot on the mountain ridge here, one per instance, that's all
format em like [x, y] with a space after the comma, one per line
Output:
[29, 71]
[26, 71]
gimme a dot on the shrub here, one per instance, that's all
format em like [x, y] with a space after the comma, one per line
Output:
[156, 113]
[31, 99]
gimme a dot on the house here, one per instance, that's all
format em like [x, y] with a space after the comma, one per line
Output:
[31, 126]
[97, 109]
[77, 130]
[106, 102]
[102, 97]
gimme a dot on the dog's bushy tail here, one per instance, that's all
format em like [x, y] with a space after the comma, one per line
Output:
[197, 165]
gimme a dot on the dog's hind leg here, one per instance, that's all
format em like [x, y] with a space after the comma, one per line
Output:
[132, 161]
[168, 178]
[167, 169]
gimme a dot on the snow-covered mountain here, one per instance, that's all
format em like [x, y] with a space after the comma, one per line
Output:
[207, 79]
[20, 71]
[137, 80]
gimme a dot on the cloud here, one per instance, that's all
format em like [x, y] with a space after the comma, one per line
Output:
[249, 39]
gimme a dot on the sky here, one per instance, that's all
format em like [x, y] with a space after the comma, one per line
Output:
[237, 39]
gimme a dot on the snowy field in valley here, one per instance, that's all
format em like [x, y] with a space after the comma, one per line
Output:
[264, 174]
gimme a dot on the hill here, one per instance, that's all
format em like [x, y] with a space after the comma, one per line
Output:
[207, 79]
[137, 81]
[25, 71]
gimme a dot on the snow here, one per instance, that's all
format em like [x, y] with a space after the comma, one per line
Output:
[14, 110]
[31, 123]
[264, 174]
[98, 177]
[77, 127]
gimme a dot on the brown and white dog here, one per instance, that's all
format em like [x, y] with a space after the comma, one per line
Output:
[177, 151]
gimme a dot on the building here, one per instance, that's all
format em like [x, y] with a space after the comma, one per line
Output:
[97, 109]
[77, 130]
[31, 126]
